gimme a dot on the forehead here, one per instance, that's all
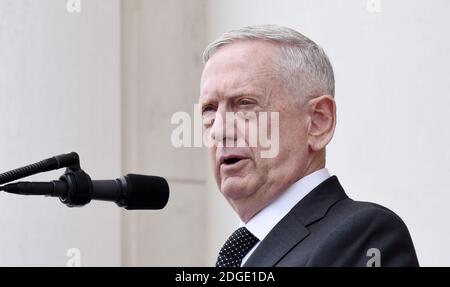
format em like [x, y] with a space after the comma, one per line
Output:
[239, 68]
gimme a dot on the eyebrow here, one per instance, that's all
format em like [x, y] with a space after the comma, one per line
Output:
[234, 94]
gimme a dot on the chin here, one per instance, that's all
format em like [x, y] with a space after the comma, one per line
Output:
[235, 188]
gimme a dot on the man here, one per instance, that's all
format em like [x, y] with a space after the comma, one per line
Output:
[293, 213]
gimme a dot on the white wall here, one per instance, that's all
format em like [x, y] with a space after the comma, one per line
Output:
[392, 80]
[59, 92]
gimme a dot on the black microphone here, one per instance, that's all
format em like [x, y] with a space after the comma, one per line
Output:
[132, 192]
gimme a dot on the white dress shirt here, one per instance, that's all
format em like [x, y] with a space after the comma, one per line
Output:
[264, 221]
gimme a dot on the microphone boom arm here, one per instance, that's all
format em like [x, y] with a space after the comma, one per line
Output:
[79, 184]
[70, 160]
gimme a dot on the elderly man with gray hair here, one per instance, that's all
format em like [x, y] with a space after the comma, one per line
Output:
[292, 211]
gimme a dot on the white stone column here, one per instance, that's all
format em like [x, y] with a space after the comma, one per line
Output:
[161, 55]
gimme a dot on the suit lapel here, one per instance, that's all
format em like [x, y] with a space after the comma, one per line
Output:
[285, 235]
[292, 229]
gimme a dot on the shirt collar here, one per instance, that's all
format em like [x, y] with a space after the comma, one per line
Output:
[261, 224]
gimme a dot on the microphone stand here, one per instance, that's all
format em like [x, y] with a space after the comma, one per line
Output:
[74, 187]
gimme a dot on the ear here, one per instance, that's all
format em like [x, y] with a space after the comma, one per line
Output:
[322, 115]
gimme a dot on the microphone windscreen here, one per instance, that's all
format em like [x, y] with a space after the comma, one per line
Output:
[146, 192]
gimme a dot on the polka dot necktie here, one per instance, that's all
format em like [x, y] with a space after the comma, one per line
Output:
[235, 248]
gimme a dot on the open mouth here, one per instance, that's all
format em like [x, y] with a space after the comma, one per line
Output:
[231, 160]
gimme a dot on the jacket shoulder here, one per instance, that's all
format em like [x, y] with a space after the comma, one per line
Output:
[353, 228]
[349, 207]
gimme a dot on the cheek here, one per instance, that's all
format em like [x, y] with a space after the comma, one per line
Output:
[294, 130]
[293, 142]
[260, 166]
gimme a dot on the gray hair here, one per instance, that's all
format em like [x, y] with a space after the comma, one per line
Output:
[300, 56]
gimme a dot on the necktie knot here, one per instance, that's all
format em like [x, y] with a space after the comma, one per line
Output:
[236, 247]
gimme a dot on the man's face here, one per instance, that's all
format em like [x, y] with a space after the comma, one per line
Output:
[240, 78]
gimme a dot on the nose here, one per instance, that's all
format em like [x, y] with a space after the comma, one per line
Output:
[223, 130]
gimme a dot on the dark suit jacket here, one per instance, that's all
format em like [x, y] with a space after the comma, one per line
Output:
[326, 228]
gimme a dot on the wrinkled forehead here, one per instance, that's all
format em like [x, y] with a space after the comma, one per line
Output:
[242, 67]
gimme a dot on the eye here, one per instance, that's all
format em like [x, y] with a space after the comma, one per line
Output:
[208, 108]
[246, 102]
